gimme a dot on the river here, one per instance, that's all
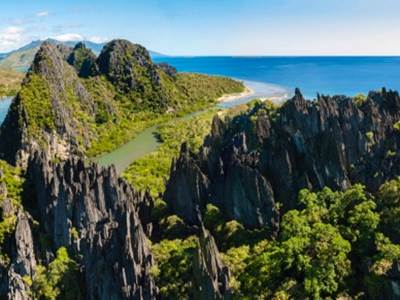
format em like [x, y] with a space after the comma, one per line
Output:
[147, 142]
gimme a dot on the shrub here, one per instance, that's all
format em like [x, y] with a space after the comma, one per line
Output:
[59, 280]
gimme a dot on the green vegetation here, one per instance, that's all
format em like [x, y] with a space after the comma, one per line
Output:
[10, 82]
[11, 180]
[173, 271]
[35, 97]
[151, 171]
[360, 99]
[396, 126]
[370, 136]
[321, 249]
[102, 112]
[60, 280]
[19, 60]
[340, 244]
[120, 117]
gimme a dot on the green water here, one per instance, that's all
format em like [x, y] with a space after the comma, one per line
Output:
[122, 157]
[144, 143]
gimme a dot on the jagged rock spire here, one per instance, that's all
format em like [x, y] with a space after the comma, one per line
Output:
[93, 212]
[210, 276]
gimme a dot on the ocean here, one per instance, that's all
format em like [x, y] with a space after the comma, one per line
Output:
[4, 104]
[324, 75]
[281, 75]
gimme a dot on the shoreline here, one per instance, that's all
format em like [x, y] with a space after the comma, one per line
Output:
[271, 92]
[232, 97]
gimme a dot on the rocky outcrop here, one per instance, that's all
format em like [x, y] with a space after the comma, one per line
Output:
[210, 276]
[23, 261]
[168, 69]
[250, 163]
[17, 257]
[83, 60]
[190, 193]
[93, 212]
[69, 94]
[52, 84]
[129, 67]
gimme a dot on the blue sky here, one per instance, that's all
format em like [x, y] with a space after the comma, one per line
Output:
[212, 27]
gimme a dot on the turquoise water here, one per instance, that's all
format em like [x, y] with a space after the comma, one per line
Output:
[4, 104]
[326, 75]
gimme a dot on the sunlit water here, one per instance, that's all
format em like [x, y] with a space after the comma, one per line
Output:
[325, 75]
[269, 77]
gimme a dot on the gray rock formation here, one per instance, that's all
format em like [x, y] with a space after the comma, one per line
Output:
[83, 60]
[23, 261]
[17, 257]
[210, 276]
[93, 212]
[251, 162]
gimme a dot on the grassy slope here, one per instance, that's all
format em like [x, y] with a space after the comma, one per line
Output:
[19, 60]
[10, 82]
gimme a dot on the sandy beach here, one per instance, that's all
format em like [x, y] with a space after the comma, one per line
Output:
[231, 97]
[256, 90]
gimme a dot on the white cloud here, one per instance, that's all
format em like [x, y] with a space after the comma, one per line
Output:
[69, 37]
[42, 14]
[11, 37]
[98, 39]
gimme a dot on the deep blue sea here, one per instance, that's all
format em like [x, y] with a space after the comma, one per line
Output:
[270, 75]
[324, 75]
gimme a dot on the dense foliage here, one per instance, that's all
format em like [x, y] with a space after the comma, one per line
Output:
[337, 244]
[10, 189]
[151, 171]
[59, 280]
[119, 121]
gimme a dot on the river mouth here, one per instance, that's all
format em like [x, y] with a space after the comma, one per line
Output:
[147, 141]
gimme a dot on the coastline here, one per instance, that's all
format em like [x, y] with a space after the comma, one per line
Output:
[256, 90]
[231, 97]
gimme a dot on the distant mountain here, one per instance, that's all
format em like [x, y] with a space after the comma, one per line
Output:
[22, 58]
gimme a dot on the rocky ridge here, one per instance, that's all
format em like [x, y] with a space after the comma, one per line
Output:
[261, 158]
[70, 99]
[211, 277]
[93, 212]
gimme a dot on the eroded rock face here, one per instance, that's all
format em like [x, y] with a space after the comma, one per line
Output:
[17, 257]
[253, 161]
[93, 212]
[23, 261]
[210, 276]
[83, 60]
[122, 62]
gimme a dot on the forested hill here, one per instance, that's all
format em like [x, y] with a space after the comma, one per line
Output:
[73, 102]
[293, 201]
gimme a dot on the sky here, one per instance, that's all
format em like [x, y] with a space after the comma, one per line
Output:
[212, 27]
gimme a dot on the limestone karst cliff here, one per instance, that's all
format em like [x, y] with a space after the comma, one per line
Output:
[74, 103]
[264, 157]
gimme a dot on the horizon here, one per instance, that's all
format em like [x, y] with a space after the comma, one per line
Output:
[227, 28]
[221, 55]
